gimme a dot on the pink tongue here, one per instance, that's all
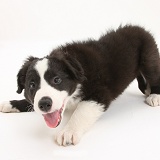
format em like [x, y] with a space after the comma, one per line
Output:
[52, 119]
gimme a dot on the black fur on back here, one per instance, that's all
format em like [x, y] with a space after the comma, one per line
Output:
[111, 63]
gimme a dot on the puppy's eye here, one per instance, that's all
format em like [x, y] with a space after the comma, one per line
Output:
[57, 80]
[32, 85]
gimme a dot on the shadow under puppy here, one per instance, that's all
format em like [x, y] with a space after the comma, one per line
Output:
[87, 76]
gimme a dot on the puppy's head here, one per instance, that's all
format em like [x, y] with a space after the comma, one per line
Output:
[49, 83]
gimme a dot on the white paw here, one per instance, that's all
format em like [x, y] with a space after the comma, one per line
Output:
[68, 137]
[6, 107]
[153, 100]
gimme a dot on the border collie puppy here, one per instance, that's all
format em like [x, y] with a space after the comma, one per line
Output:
[87, 76]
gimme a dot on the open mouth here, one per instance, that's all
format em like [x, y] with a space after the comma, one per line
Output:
[53, 119]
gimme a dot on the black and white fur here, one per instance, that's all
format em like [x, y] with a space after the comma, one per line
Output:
[87, 76]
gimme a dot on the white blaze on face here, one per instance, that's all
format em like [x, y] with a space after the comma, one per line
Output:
[59, 98]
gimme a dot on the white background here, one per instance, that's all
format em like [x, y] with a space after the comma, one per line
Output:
[129, 130]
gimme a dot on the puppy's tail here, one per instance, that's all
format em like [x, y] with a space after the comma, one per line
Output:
[143, 85]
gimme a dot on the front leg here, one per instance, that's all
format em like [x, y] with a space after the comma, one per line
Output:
[85, 115]
[16, 106]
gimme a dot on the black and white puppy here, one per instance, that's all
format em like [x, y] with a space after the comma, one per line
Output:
[87, 76]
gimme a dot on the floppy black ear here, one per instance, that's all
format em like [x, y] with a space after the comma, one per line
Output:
[21, 76]
[74, 67]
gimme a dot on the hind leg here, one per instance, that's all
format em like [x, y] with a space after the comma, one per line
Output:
[153, 98]
[151, 71]
[143, 85]
[153, 81]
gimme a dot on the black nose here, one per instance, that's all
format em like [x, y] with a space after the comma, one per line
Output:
[45, 104]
